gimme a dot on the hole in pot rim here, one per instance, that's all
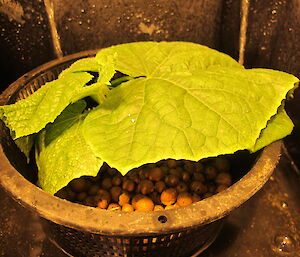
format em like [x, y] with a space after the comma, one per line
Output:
[162, 219]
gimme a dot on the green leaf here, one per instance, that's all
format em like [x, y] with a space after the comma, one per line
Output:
[154, 58]
[279, 126]
[30, 115]
[99, 90]
[82, 65]
[205, 111]
[25, 144]
[62, 153]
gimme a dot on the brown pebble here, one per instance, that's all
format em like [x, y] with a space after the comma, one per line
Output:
[196, 198]
[171, 180]
[146, 187]
[160, 186]
[106, 183]
[185, 176]
[79, 185]
[135, 199]
[144, 204]
[71, 195]
[176, 172]
[171, 163]
[182, 187]
[170, 207]
[127, 207]
[208, 194]
[155, 196]
[102, 193]
[102, 204]
[224, 178]
[115, 192]
[90, 201]
[221, 188]
[184, 199]
[158, 208]
[143, 173]
[211, 187]
[62, 193]
[210, 172]
[135, 178]
[199, 177]
[93, 189]
[151, 165]
[124, 198]
[198, 167]
[189, 166]
[160, 163]
[81, 196]
[156, 174]
[104, 168]
[128, 185]
[116, 180]
[102, 198]
[165, 169]
[222, 164]
[114, 207]
[168, 196]
[111, 171]
[198, 187]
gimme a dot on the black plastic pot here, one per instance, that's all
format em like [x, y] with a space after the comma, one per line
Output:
[85, 231]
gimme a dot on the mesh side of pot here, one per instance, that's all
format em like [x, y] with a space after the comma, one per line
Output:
[83, 244]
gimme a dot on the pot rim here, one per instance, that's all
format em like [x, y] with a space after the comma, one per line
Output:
[99, 221]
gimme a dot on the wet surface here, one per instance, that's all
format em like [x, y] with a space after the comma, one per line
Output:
[97, 24]
[25, 41]
[267, 225]
[273, 35]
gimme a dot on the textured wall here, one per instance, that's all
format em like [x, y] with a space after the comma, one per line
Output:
[94, 24]
[33, 32]
[25, 41]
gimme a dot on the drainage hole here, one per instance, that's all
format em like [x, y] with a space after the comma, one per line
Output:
[162, 219]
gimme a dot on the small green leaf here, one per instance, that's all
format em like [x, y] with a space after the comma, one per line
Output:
[279, 126]
[62, 153]
[25, 144]
[99, 90]
[82, 65]
[30, 115]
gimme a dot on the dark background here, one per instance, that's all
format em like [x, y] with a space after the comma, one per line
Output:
[34, 32]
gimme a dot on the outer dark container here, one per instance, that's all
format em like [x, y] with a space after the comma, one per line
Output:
[85, 231]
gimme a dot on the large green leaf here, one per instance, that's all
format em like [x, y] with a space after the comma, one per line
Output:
[184, 107]
[33, 113]
[62, 153]
[154, 58]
